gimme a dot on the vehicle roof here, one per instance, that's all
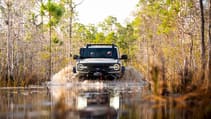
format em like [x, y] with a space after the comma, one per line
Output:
[101, 46]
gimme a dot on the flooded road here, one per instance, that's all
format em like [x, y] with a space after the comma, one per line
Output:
[62, 98]
[82, 100]
[67, 97]
[89, 100]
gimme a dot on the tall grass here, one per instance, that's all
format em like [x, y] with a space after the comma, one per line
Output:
[22, 80]
[184, 90]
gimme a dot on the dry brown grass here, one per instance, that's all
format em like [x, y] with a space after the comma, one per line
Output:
[189, 92]
[23, 81]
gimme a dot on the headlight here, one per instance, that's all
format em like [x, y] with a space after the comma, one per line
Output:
[115, 67]
[81, 103]
[81, 67]
[114, 102]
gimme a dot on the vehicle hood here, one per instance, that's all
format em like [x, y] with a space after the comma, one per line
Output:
[99, 60]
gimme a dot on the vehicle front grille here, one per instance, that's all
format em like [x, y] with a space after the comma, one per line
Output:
[98, 67]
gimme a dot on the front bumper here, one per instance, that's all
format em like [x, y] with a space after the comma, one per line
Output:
[99, 70]
[104, 68]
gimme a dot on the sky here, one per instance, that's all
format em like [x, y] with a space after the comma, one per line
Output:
[95, 11]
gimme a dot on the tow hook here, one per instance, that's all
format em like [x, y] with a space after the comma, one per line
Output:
[97, 74]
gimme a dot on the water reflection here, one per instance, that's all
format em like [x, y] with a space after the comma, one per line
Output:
[91, 100]
[97, 104]
[98, 100]
[86, 100]
[20, 103]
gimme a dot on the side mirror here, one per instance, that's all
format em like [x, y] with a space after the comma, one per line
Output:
[124, 57]
[82, 51]
[75, 57]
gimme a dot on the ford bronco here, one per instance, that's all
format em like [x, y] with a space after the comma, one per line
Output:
[99, 60]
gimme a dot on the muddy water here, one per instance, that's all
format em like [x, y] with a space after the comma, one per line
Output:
[84, 100]
[63, 98]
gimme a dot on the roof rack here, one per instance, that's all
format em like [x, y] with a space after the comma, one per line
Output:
[113, 45]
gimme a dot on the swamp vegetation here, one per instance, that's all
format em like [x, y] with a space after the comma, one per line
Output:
[168, 41]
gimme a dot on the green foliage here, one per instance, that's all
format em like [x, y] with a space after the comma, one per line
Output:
[111, 38]
[81, 31]
[164, 12]
[42, 9]
[54, 10]
[109, 31]
[99, 37]
[28, 37]
[44, 55]
[108, 25]
[56, 40]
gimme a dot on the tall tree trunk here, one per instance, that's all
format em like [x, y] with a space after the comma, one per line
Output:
[8, 44]
[70, 25]
[191, 52]
[41, 44]
[209, 60]
[72, 6]
[50, 52]
[203, 50]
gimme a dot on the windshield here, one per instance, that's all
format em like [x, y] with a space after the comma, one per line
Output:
[99, 53]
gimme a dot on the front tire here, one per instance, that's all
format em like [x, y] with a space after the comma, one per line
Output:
[74, 70]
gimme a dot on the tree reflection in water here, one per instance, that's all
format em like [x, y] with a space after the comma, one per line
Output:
[92, 100]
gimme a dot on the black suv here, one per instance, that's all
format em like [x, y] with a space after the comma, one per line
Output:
[99, 60]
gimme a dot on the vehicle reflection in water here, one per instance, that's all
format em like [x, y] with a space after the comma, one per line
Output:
[98, 100]
[97, 104]
[89, 102]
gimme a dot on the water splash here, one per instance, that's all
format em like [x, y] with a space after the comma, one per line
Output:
[131, 74]
[69, 92]
[63, 76]
[66, 75]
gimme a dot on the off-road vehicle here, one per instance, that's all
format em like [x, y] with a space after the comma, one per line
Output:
[99, 60]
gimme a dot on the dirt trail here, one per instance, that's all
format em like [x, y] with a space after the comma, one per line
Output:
[66, 75]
